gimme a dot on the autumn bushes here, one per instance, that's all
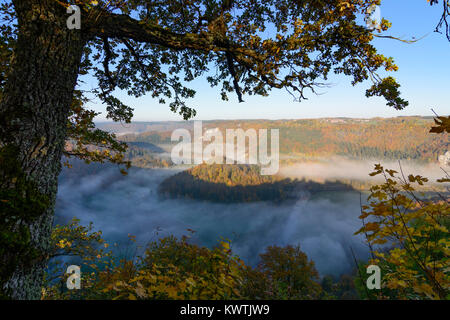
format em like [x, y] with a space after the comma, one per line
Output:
[172, 268]
[175, 269]
[283, 273]
[408, 235]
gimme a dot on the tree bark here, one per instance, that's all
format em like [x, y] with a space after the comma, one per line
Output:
[33, 118]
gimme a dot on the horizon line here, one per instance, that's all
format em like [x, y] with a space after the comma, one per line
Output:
[265, 119]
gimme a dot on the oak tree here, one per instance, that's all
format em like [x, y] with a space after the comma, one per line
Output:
[155, 48]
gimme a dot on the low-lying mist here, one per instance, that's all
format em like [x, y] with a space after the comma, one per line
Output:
[339, 168]
[323, 224]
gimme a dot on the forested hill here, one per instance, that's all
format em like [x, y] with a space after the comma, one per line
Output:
[377, 138]
[239, 183]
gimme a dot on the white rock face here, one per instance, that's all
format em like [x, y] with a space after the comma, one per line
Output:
[445, 159]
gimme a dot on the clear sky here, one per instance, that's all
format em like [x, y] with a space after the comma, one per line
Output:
[424, 74]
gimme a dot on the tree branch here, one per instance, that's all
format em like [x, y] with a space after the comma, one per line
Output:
[232, 70]
[111, 25]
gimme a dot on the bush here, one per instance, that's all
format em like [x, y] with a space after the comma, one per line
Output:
[172, 268]
[283, 273]
[412, 232]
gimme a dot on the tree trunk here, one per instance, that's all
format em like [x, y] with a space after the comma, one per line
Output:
[33, 118]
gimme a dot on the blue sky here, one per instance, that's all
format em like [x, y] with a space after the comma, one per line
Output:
[424, 71]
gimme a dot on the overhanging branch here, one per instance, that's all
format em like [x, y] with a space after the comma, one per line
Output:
[107, 24]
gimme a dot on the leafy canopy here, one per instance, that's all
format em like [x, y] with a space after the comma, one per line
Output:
[248, 47]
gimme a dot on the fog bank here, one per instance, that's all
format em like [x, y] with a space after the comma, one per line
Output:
[323, 224]
[338, 168]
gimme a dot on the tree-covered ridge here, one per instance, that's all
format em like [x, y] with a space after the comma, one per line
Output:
[156, 137]
[143, 156]
[231, 175]
[393, 138]
[228, 183]
[378, 138]
[397, 138]
[137, 154]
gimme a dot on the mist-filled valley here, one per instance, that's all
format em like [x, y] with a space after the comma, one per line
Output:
[322, 223]
[120, 205]
[314, 201]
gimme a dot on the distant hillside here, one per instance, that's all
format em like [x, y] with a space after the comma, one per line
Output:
[146, 146]
[140, 154]
[140, 127]
[378, 138]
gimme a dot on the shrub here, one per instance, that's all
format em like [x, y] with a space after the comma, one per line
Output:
[411, 231]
